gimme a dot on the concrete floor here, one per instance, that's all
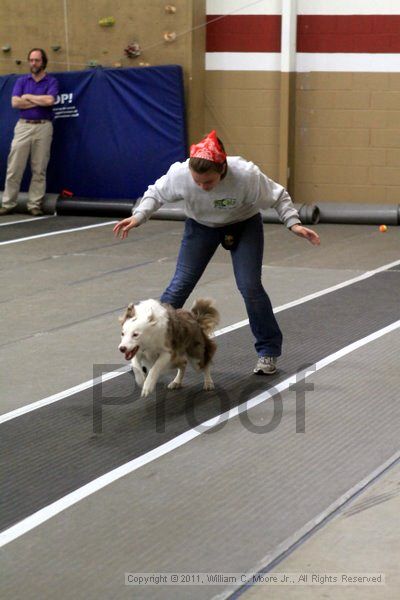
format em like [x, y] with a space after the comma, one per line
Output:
[61, 297]
[363, 538]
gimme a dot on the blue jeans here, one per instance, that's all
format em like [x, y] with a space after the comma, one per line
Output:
[198, 245]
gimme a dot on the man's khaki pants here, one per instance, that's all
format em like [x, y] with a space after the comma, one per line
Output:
[32, 139]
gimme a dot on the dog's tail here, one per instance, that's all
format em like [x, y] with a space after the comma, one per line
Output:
[205, 314]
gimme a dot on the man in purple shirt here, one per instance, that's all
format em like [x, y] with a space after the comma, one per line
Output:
[34, 96]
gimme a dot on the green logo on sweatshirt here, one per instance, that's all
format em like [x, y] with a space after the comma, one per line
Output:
[224, 203]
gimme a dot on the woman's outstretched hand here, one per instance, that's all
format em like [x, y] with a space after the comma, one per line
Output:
[306, 233]
[122, 228]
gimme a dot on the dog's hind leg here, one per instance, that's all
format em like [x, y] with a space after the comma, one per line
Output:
[208, 382]
[177, 382]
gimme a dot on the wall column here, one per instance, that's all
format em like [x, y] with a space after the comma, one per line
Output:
[288, 69]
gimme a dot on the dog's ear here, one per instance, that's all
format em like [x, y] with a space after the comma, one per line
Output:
[151, 318]
[129, 313]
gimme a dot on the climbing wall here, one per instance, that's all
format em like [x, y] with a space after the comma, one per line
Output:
[79, 35]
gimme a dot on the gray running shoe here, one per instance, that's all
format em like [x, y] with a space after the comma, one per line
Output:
[266, 365]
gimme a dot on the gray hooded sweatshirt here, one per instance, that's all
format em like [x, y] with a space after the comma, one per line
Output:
[240, 195]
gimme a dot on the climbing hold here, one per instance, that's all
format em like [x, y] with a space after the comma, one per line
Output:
[170, 36]
[133, 50]
[107, 22]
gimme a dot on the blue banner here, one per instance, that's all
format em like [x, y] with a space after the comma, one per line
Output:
[115, 130]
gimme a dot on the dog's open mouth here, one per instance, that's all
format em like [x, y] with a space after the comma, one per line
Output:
[129, 354]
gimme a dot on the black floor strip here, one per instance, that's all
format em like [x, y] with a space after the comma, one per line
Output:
[50, 452]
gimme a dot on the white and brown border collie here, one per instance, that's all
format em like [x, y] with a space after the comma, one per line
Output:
[156, 337]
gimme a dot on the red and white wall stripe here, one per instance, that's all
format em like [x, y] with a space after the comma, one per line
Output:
[332, 35]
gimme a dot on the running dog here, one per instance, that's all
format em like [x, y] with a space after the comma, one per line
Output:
[156, 337]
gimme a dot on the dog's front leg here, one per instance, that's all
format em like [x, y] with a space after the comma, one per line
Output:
[159, 366]
[138, 372]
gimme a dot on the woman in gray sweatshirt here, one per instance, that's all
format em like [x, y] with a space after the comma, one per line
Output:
[222, 197]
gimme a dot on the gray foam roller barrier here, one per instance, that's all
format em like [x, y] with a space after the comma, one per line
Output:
[94, 207]
[310, 214]
[362, 214]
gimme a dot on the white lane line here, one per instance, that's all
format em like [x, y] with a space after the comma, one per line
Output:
[26, 220]
[46, 513]
[90, 383]
[43, 235]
